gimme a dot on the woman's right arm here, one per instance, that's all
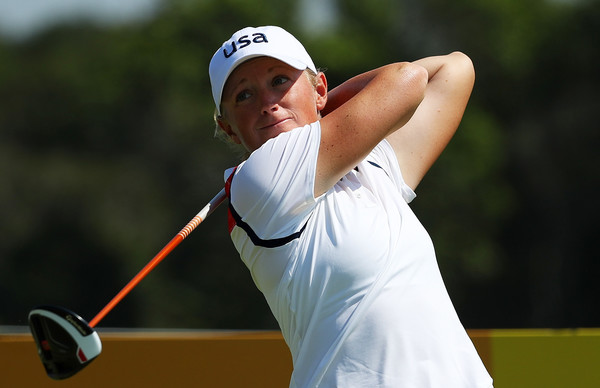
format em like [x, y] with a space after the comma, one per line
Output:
[362, 112]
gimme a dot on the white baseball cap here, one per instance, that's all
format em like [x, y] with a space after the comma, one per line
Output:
[252, 42]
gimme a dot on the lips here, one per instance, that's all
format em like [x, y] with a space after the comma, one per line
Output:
[275, 123]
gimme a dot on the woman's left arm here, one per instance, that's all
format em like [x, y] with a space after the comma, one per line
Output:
[422, 139]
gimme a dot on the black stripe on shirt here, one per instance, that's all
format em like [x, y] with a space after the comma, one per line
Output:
[272, 243]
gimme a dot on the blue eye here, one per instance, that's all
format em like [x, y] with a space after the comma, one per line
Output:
[244, 95]
[280, 80]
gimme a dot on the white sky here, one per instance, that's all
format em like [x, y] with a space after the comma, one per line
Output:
[22, 18]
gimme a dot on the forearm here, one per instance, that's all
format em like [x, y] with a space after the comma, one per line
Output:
[450, 72]
[342, 93]
[432, 65]
[337, 96]
[420, 142]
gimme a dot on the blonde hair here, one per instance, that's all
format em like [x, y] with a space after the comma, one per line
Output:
[238, 148]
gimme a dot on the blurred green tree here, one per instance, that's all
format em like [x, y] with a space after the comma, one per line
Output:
[107, 150]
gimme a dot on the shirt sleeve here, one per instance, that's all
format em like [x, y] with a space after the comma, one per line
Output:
[383, 154]
[273, 190]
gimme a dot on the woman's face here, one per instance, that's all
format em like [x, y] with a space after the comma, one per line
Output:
[264, 97]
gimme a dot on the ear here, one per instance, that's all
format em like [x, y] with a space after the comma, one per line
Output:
[225, 127]
[321, 91]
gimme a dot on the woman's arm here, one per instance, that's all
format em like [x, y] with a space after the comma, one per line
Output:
[337, 96]
[362, 112]
[420, 142]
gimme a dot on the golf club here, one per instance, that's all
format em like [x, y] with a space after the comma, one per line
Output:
[66, 343]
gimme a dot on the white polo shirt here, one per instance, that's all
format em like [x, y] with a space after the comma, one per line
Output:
[351, 276]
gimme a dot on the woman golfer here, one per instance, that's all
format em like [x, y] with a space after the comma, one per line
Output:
[319, 210]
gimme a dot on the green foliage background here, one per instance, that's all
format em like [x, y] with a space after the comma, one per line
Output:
[107, 150]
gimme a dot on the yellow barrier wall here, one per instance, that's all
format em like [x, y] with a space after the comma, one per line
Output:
[515, 358]
[166, 360]
[546, 358]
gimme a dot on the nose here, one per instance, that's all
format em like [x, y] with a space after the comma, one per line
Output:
[270, 103]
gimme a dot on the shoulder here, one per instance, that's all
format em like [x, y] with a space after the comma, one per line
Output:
[281, 158]
[275, 184]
